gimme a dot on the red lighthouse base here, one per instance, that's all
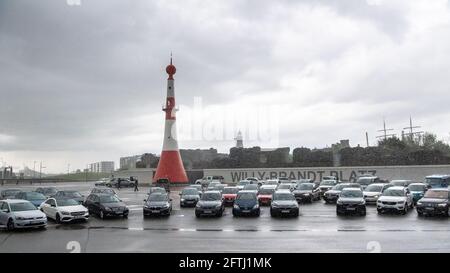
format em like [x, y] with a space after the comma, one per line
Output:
[170, 166]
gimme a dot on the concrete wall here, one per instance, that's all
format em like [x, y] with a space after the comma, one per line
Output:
[416, 173]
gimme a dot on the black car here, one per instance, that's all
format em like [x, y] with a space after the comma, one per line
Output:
[47, 191]
[246, 203]
[69, 195]
[103, 190]
[284, 204]
[351, 200]
[332, 195]
[9, 193]
[124, 183]
[158, 204]
[105, 205]
[189, 197]
[306, 192]
[326, 185]
[156, 189]
[434, 202]
[210, 204]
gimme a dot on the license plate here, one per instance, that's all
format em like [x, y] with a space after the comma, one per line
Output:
[285, 211]
[35, 222]
[207, 211]
[246, 211]
[430, 208]
[351, 208]
[78, 217]
[155, 211]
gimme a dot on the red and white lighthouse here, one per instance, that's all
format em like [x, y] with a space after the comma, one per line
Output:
[170, 165]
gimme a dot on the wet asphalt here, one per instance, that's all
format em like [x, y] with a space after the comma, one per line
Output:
[317, 229]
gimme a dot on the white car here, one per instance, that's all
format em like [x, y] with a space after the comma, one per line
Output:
[16, 213]
[64, 210]
[373, 192]
[397, 199]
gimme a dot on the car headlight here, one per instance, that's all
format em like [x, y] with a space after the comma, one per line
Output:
[442, 205]
[419, 204]
[107, 209]
[235, 206]
[376, 196]
[20, 218]
[256, 206]
[198, 205]
[182, 199]
[218, 206]
[363, 202]
[65, 213]
[339, 202]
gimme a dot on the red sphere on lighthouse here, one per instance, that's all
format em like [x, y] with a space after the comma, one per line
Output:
[170, 165]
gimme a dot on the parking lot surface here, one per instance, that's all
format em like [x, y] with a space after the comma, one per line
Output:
[317, 229]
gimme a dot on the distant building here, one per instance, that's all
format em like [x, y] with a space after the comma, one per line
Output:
[102, 167]
[191, 157]
[239, 140]
[129, 162]
[279, 155]
[336, 149]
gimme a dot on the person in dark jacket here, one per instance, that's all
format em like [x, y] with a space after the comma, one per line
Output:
[136, 182]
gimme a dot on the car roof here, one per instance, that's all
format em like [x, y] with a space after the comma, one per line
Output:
[396, 188]
[438, 176]
[14, 201]
[246, 191]
[268, 187]
[212, 191]
[400, 180]
[283, 191]
[230, 187]
[439, 189]
[377, 184]
[351, 189]
[417, 183]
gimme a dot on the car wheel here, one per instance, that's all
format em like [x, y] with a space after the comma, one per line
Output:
[421, 213]
[219, 214]
[363, 213]
[448, 211]
[405, 210]
[58, 219]
[10, 225]
[258, 213]
[380, 211]
[102, 215]
[296, 213]
[125, 216]
[197, 214]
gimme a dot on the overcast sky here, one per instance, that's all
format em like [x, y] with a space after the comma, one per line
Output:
[85, 83]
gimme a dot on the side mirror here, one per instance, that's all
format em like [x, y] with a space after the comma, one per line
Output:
[5, 210]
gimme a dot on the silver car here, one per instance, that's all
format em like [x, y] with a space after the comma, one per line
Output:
[16, 213]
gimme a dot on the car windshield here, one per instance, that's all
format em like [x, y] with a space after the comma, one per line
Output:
[10, 192]
[339, 187]
[24, 206]
[157, 190]
[374, 188]
[230, 190]
[284, 186]
[328, 183]
[157, 197]
[283, 196]
[364, 181]
[109, 199]
[50, 191]
[435, 182]
[393, 192]
[351, 194]
[437, 194]
[416, 187]
[246, 196]
[66, 202]
[73, 194]
[305, 186]
[190, 191]
[251, 187]
[211, 196]
[35, 196]
[266, 191]
[398, 183]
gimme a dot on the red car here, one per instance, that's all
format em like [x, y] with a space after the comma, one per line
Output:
[229, 195]
[265, 194]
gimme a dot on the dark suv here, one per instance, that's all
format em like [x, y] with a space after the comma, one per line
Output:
[105, 205]
[351, 200]
[189, 197]
[435, 202]
[211, 204]
[284, 203]
[157, 204]
[332, 195]
[246, 203]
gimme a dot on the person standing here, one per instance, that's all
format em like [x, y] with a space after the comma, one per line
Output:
[118, 182]
[136, 182]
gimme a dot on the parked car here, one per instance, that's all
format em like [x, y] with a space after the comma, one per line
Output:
[105, 205]
[306, 192]
[64, 210]
[198, 187]
[104, 190]
[351, 200]
[417, 190]
[284, 204]
[246, 203]
[365, 181]
[124, 183]
[158, 204]
[220, 187]
[332, 195]
[402, 183]
[156, 189]
[241, 184]
[102, 182]
[438, 180]
[213, 185]
[189, 197]
[9, 193]
[69, 194]
[15, 214]
[205, 180]
[284, 180]
[396, 199]
[373, 192]
[162, 183]
[265, 194]
[47, 191]
[36, 198]
[254, 180]
[286, 186]
[211, 204]
[229, 195]
[272, 182]
[326, 185]
[434, 202]
[251, 187]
